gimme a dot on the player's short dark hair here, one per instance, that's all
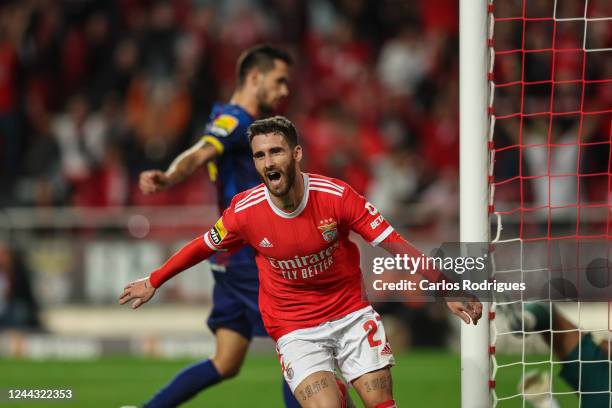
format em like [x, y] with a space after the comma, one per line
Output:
[261, 57]
[276, 124]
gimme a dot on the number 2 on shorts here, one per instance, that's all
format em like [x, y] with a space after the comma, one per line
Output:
[371, 328]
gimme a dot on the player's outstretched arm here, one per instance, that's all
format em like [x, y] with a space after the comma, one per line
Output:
[185, 164]
[143, 290]
[470, 310]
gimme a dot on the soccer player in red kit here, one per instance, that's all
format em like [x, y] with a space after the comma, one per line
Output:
[310, 294]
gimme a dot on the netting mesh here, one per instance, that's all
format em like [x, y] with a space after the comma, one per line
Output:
[550, 110]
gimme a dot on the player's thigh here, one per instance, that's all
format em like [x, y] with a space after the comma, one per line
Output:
[302, 356]
[362, 345]
[231, 348]
[375, 387]
[319, 390]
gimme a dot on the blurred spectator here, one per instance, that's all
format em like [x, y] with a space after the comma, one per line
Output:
[43, 183]
[81, 138]
[159, 41]
[395, 182]
[439, 135]
[338, 60]
[18, 308]
[291, 17]
[113, 184]
[117, 76]
[363, 16]
[440, 16]
[555, 168]
[547, 190]
[86, 52]
[10, 134]
[441, 199]
[43, 61]
[403, 62]
[158, 112]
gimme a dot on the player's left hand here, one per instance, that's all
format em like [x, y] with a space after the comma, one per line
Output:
[471, 309]
[141, 290]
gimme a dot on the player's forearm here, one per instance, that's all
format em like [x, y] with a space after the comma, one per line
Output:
[183, 166]
[395, 244]
[191, 254]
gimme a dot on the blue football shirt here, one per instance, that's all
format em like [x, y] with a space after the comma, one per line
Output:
[232, 172]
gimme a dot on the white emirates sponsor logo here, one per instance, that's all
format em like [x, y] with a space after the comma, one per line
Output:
[306, 266]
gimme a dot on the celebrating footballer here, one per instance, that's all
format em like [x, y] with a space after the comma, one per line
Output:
[310, 293]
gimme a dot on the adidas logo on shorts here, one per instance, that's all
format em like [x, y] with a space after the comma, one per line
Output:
[386, 351]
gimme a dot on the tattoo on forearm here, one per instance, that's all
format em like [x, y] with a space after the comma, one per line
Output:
[313, 388]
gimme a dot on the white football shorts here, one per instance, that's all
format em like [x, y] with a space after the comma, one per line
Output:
[356, 343]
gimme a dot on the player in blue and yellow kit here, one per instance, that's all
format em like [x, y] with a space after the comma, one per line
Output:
[263, 81]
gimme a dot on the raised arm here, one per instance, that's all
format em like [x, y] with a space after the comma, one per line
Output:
[185, 164]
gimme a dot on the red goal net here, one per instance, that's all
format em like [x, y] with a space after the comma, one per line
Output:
[550, 109]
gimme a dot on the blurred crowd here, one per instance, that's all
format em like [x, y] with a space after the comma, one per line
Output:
[92, 93]
[557, 155]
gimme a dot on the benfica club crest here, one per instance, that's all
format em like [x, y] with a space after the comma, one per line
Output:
[328, 229]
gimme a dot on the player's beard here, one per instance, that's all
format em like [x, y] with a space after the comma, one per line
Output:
[265, 107]
[287, 179]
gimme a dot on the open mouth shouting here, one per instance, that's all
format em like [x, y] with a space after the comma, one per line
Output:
[274, 178]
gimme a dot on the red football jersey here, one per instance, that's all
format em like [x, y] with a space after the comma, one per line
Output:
[308, 268]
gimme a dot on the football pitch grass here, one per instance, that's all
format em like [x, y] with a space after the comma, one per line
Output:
[428, 378]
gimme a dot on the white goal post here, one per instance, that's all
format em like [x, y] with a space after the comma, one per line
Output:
[474, 196]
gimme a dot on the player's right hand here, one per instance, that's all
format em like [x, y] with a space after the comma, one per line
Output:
[141, 290]
[153, 181]
[468, 311]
